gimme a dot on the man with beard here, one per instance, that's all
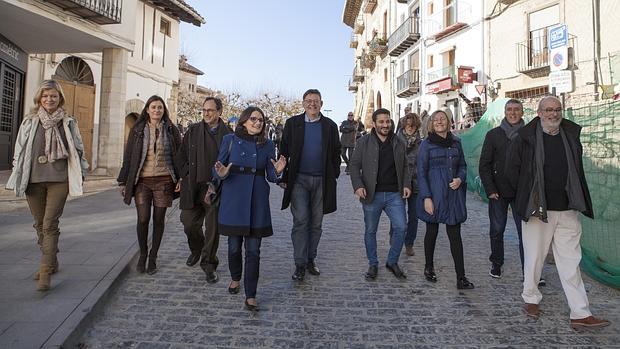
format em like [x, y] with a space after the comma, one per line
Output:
[545, 170]
[491, 169]
[349, 129]
[382, 180]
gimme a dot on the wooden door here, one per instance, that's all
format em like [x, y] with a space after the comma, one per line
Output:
[80, 103]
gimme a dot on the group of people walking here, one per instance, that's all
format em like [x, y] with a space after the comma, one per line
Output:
[220, 177]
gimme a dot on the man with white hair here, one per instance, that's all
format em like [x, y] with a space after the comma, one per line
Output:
[545, 170]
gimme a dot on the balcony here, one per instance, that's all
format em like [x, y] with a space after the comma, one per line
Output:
[507, 2]
[358, 28]
[441, 80]
[378, 45]
[354, 42]
[408, 84]
[98, 11]
[358, 75]
[352, 86]
[533, 56]
[367, 60]
[404, 37]
[449, 20]
[369, 6]
[402, 1]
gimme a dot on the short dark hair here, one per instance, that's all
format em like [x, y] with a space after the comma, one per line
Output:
[379, 111]
[217, 101]
[245, 116]
[514, 101]
[312, 91]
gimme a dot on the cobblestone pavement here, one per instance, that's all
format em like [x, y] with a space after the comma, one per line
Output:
[176, 308]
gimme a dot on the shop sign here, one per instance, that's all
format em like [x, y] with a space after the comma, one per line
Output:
[441, 85]
[466, 75]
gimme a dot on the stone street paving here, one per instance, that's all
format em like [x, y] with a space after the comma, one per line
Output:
[176, 308]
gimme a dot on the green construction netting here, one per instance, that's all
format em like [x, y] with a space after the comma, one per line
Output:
[600, 137]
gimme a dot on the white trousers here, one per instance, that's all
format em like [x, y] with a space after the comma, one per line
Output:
[563, 233]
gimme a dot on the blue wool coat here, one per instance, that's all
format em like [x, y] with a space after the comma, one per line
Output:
[244, 205]
[436, 167]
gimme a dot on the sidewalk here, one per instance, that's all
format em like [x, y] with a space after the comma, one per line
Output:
[97, 242]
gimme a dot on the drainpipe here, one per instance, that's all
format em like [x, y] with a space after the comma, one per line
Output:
[596, 31]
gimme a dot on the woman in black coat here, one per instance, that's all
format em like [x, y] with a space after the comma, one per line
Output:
[148, 175]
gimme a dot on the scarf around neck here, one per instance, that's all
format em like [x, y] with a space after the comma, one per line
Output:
[511, 130]
[54, 146]
[440, 141]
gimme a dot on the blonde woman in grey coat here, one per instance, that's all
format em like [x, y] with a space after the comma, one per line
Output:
[48, 165]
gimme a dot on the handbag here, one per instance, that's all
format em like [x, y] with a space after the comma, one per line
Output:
[214, 190]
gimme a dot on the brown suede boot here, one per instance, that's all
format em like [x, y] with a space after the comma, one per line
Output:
[53, 269]
[45, 278]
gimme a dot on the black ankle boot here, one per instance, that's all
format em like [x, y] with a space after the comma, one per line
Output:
[429, 274]
[463, 284]
[140, 267]
[152, 267]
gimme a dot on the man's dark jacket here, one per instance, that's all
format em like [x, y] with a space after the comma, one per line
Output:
[191, 152]
[349, 130]
[493, 162]
[365, 158]
[520, 164]
[292, 145]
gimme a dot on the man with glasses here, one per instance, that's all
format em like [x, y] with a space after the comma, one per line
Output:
[349, 129]
[545, 170]
[311, 145]
[197, 155]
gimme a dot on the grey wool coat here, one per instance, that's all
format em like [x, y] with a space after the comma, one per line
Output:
[364, 165]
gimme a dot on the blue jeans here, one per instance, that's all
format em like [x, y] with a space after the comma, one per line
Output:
[307, 211]
[498, 215]
[252, 262]
[412, 221]
[394, 206]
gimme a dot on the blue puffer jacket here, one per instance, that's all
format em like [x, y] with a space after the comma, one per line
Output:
[436, 167]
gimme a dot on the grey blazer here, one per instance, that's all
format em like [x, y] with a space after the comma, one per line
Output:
[364, 165]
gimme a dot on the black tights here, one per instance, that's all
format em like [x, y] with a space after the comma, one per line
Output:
[142, 228]
[456, 246]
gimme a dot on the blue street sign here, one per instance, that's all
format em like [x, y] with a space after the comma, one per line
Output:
[558, 36]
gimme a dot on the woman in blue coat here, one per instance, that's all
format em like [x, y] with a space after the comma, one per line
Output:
[442, 189]
[246, 162]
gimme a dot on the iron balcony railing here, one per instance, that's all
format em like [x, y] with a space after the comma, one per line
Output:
[533, 54]
[352, 85]
[404, 37]
[358, 28]
[358, 75]
[408, 83]
[370, 6]
[354, 41]
[441, 73]
[98, 11]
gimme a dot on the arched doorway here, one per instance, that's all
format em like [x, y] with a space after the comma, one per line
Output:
[130, 120]
[78, 85]
[379, 100]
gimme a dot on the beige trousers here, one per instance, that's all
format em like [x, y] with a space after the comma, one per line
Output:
[563, 233]
[47, 201]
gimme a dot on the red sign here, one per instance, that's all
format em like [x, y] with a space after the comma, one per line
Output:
[444, 84]
[466, 75]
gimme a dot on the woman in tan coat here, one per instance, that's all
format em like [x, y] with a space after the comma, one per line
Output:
[48, 165]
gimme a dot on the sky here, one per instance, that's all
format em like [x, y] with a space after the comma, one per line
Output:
[282, 46]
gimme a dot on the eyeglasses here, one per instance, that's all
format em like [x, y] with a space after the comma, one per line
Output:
[209, 110]
[551, 110]
[312, 101]
[255, 120]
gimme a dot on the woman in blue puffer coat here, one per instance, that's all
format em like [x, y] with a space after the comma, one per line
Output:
[245, 163]
[442, 190]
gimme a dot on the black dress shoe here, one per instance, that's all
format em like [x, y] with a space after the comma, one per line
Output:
[464, 284]
[152, 266]
[251, 307]
[313, 269]
[212, 276]
[141, 267]
[396, 271]
[371, 274]
[233, 290]
[192, 259]
[430, 275]
[300, 273]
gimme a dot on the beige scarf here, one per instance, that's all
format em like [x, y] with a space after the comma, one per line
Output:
[54, 146]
